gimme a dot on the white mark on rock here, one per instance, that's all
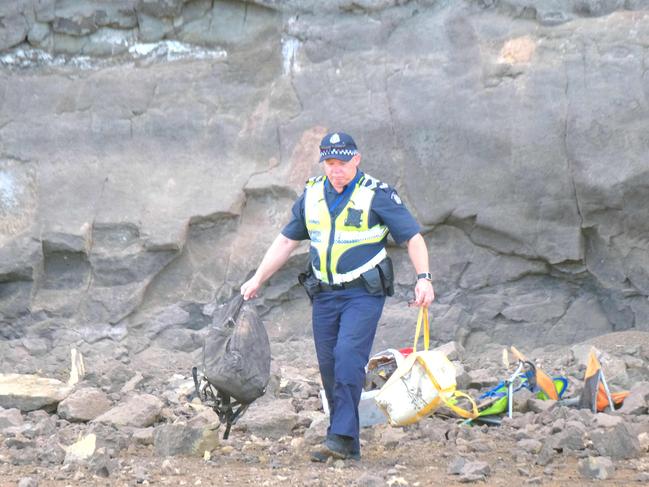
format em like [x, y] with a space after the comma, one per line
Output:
[174, 50]
[290, 46]
[169, 51]
[7, 190]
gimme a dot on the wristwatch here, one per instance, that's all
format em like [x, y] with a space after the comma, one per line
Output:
[425, 275]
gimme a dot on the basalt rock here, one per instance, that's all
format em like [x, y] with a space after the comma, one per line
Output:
[166, 140]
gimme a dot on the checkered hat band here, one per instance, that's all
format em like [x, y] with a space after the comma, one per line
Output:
[337, 152]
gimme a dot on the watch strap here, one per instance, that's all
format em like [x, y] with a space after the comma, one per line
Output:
[425, 275]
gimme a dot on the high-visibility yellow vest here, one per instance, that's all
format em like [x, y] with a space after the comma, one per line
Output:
[331, 238]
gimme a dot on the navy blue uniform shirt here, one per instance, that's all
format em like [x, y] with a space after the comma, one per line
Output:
[386, 208]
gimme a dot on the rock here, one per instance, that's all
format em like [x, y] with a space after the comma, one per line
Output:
[571, 438]
[139, 410]
[272, 419]
[392, 437]
[369, 480]
[143, 436]
[28, 482]
[456, 465]
[597, 468]
[607, 420]
[452, 350]
[38, 34]
[482, 379]
[46, 426]
[474, 471]
[297, 445]
[153, 29]
[82, 450]
[462, 377]
[184, 439]
[643, 439]
[52, 453]
[14, 26]
[30, 392]
[637, 402]
[530, 446]
[547, 453]
[161, 8]
[205, 417]
[617, 443]
[540, 405]
[132, 383]
[117, 376]
[10, 418]
[306, 417]
[102, 464]
[84, 405]
[521, 399]
[642, 477]
[141, 475]
[317, 431]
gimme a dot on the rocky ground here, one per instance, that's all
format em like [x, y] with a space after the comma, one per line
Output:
[137, 424]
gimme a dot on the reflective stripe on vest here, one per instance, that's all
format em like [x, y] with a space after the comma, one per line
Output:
[330, 248]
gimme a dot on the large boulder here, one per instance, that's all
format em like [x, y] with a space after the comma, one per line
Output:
[30, 392]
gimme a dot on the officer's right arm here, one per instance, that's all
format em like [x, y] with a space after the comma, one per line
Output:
[276, 256]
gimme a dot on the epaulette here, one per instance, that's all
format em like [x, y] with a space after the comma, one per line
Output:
[373, 183]
[313, 180]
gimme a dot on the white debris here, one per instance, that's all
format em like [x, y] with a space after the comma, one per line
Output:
[81, 450]
[77, 367]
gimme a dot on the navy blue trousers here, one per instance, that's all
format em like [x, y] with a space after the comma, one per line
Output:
[344, 325]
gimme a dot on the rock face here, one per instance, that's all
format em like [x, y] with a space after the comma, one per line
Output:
[135, 175]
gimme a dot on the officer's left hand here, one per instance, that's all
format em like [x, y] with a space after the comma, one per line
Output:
[250, 288]
[424, 293]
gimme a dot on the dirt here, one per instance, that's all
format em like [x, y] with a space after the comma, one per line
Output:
[245, 460]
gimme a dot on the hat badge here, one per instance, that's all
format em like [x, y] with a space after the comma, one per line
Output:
[334, 139]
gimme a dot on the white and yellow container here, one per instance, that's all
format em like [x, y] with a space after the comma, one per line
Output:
[421, 384]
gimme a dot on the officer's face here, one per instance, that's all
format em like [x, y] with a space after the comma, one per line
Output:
[340, 173]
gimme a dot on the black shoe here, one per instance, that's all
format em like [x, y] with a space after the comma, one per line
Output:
[336, 447]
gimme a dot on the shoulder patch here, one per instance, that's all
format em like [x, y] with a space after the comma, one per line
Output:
[313, 180]
[373, 183]
[395, 197]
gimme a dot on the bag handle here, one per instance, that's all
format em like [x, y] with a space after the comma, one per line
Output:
[422, 321]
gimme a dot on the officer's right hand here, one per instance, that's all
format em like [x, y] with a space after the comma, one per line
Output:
[250, 288]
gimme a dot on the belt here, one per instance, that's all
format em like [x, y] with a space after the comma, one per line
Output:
[358, 282]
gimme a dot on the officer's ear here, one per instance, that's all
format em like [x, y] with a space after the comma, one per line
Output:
[356, 160]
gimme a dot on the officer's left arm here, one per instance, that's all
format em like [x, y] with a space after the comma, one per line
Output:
[418, 252]
[389, 209]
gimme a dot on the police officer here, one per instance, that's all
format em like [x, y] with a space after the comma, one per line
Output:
[347, 215]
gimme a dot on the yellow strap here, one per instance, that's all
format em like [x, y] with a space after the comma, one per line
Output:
[422, 320]
[443, 393]
[463, 413]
